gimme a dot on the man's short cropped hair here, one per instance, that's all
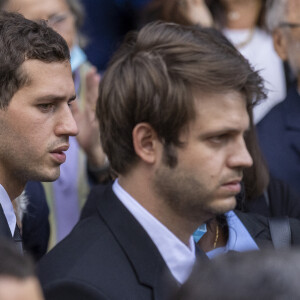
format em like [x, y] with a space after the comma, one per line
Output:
[154, 78]
[21, 40]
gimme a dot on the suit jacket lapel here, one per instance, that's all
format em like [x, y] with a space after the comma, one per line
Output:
[291, 115]
[258, 228]
[4, 228]
[141, 251]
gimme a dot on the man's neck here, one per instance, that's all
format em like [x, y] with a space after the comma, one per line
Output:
[12, 186]
[140, 189]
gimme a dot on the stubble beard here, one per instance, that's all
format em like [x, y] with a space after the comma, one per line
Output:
[185, 195]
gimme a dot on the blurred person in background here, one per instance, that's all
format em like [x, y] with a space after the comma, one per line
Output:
[66, 195]
[17, 277]
[242, 22]
[184, 12]
[106, 24]
[255, 275]
[279, 131]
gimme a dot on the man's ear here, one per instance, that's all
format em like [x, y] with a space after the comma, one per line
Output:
[145, 142]
[280, 44]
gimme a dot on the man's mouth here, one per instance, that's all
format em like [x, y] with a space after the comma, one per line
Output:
[233, 185]
[59, 155]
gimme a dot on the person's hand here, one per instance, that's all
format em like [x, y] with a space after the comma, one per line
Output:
[89, 134]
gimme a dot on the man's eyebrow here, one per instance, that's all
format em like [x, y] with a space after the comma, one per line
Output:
[225, 130]
[55, 98]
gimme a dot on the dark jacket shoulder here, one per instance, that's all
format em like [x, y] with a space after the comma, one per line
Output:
[258, 227]
[106, 249]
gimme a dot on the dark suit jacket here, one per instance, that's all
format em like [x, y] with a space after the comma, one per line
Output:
[279, 138]
[4, 228]
[108, 255]
[283, 201]
[36, 228]
[258, 228]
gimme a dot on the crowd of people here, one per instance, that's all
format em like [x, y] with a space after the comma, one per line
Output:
[143, 164]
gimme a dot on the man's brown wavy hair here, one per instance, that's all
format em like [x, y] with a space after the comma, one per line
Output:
[153, 78]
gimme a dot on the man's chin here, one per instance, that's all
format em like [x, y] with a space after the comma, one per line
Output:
[48, 176]
[222, 206]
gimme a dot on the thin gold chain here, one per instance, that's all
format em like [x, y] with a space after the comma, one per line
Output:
[217, 236]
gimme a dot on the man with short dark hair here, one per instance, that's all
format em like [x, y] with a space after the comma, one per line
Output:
[66, 195]
[36, 92]
[174, 106]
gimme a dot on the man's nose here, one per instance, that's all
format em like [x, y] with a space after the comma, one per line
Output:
[66, 124]
[240, 157]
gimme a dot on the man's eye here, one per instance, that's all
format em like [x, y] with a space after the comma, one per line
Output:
[46, 107]
[219, 139]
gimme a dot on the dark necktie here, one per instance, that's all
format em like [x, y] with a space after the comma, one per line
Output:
[18, 239]
[4, 228]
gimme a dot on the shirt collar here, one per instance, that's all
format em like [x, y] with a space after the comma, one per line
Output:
[178, 257]
[78, 57]
[8, 209]
[239, 238]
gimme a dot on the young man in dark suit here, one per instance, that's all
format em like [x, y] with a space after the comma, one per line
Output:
[174, 106]
[36, 91]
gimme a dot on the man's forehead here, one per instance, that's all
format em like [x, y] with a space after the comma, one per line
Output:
[21, 5]
[36, 9]
[200, 95]
[54, 77]
[293, 11]
[37, 68]
[228, 106]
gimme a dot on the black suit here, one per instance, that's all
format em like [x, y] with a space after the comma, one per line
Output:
[279, 139]
[35, 224]
[107, 256]
[4, 228]
[258, 227]
[36, 228]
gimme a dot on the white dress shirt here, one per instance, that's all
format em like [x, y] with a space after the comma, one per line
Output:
[178, 257]
[8, 209]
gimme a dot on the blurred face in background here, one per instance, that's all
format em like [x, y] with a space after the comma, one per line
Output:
[287, 37]
[292, 34]
[56, 12]
[20, 289]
